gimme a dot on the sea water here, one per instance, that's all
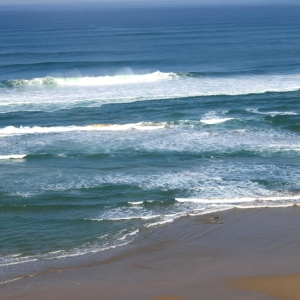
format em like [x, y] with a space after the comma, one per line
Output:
[115, 120]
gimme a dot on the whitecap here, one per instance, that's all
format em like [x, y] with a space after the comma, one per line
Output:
[129, 78]
[147, 126]
[12, 156]
[96, 91]
[136, 203]
[215, 120]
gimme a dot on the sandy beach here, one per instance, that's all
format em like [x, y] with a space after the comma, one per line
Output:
[236, 254]
[279, 286]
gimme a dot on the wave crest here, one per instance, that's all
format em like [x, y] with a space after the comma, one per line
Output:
[90, 81]
[12, 156]
[68, 93]
[11, 130]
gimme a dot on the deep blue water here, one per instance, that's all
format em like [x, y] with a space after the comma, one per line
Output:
[114, 121]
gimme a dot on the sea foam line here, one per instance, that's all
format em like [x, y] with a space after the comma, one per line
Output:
[126, 218]
[70, 253]
[238, 200]
[11, 130]
[146, 126]
[215, 206]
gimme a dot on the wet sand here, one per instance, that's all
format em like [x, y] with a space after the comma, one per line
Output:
[281, 286]
[233, 255]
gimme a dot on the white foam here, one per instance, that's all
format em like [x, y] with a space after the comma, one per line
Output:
[272, 113]
[239, 199]
[12, 280]
[115, 80]
[12, 156]
[124, 235]
[96, 91]
[134, 232]
[129, 78]
[14, 255]
[102, 236]
[187, 206]
[215, 120]
[159, 223]
[148, 217]
[276, 205]
[136, 203]
[21, 260]
[56, 252]
[11, 130]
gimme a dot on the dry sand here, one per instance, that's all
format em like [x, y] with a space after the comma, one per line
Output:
[232, 255]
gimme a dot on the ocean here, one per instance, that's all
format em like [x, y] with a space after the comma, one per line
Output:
[117, 120]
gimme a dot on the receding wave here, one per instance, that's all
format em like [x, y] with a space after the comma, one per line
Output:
[119, 239]
[148, 217]
[258, 200]
[184, 207]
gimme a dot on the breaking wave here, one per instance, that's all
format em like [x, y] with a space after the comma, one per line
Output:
[12, 156]
[51, 93]
[11, 130]
[90, 81]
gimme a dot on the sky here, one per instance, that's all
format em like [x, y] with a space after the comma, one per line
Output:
[255, 2]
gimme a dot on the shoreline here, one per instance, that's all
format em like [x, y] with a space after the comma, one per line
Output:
[201, 256]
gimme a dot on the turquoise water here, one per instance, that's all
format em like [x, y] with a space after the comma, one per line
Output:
[114, 121]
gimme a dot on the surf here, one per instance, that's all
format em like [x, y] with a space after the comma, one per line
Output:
[22, 130]
[51, 93]
[118, 79]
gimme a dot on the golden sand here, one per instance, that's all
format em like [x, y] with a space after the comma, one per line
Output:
[166, 297]
[286, 287]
